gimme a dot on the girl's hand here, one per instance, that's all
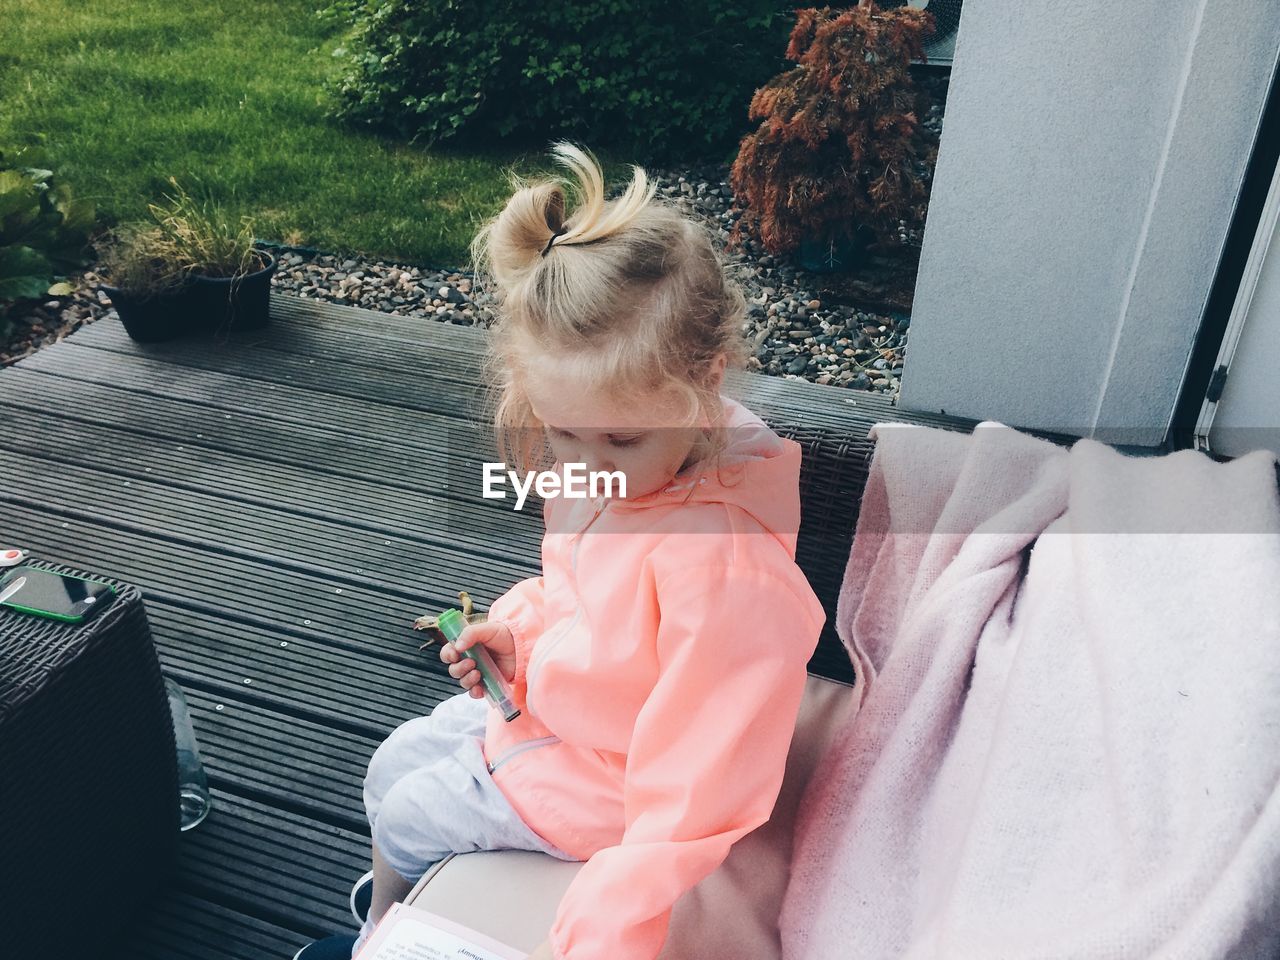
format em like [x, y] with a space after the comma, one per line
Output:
[543, 952]
[496, 638]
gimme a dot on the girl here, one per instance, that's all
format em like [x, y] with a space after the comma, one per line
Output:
[659, 660]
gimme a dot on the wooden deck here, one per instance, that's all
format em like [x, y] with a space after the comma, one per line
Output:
[282, 500]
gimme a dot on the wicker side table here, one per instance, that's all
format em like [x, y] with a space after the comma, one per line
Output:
[88, 777]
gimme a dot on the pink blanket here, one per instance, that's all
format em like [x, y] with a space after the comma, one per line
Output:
[1069, 744]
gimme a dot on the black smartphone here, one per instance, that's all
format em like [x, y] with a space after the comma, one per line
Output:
[58, 596]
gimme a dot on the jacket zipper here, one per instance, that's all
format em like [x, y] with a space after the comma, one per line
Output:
[577, 612]
[520, 748]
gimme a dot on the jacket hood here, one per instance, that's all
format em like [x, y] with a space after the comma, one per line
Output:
[759, 473]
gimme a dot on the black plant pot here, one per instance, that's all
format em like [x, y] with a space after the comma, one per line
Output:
[158, 317]
[241, 303]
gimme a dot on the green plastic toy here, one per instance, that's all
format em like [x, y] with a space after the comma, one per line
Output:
[496, 688]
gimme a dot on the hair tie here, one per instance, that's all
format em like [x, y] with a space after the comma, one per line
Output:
[563, 230]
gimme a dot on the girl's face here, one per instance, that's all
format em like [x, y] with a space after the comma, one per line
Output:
[644, 438]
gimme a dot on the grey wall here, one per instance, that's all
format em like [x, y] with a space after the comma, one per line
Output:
[1090, 161]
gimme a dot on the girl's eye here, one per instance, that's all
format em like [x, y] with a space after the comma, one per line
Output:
[614, 440]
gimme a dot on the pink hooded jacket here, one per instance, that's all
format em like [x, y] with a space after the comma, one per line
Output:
[660, 667]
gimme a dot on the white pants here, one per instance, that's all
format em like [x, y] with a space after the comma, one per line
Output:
[428, 792]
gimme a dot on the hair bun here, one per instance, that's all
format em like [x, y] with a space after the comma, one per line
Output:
[513, 245]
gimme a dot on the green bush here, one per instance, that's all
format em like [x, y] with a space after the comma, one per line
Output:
[44, 231]
[659, 79]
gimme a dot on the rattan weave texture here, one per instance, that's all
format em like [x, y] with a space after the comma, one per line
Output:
[88, 777]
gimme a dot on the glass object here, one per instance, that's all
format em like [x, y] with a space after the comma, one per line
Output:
[193, 787]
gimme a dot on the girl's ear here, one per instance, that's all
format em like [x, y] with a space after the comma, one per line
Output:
[718, 365]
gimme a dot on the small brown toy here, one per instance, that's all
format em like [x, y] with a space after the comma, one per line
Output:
[430, 624]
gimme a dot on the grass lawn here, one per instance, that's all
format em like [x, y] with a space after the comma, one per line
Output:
[227, 98]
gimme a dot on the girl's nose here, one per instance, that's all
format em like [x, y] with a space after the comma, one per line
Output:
[593, 465]
[589, 460]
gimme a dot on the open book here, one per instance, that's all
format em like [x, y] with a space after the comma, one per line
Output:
[411, 933]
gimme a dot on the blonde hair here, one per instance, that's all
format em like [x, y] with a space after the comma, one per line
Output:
[631, 293]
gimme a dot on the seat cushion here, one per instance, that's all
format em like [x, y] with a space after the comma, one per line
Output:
[512, 895]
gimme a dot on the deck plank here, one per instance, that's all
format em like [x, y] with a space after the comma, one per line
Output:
[182, 925]
[299, 489]
[306, 544]
[345, 607]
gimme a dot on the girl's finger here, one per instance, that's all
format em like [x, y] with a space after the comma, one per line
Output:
[448, 654]
[460, 670]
